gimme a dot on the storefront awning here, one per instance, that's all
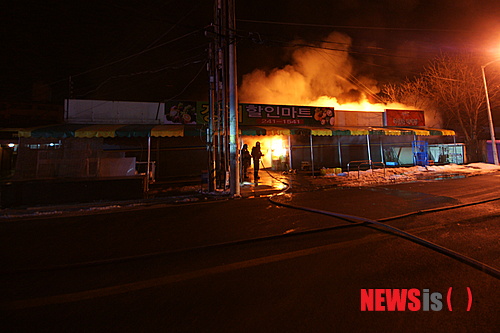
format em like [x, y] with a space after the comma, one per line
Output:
[413, 131]
[438, 131]
[347, 131]
[387, 131]
[425, 131]
[391, 131]
[8, 133]
[101, 131]
[62, 131]
[263, 130]
[335, 131]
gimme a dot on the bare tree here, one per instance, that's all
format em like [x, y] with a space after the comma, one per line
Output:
[409, 92]
[453, 86]
[414, 93]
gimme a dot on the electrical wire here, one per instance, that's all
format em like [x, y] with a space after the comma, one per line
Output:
[346, 26]
[189, 83]
[138, 53]
[352, 79]
[52, 83]
[386, 55]
[185, 62]
[182, 19]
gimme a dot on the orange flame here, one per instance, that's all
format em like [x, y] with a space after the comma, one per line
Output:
[322, 76]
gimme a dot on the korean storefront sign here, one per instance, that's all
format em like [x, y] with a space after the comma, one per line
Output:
[189, 112]
[404, 118]
[264, 114]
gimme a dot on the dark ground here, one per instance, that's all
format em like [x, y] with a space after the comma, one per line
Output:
[295, 283]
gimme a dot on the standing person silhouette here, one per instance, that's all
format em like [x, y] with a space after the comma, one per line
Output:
[256, 155]
[246, 160]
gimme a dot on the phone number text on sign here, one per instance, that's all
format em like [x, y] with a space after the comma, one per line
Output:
[280, 121]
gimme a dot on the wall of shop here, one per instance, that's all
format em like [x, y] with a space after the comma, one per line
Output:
[173, 157]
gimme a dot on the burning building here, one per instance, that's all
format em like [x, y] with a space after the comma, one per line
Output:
[315, 112]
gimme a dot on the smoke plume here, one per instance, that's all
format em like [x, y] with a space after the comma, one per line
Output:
[322, 75]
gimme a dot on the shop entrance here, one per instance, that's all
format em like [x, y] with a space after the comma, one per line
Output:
[275, 148]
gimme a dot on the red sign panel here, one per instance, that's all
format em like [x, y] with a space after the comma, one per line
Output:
[404, 118]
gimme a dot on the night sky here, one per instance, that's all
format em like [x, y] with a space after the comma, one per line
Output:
[156, 50]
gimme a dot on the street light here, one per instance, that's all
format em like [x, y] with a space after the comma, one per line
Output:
[490, 118]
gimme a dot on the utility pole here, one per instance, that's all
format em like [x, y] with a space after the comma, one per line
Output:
[490, 118]
[217, 153]
[223, 123]
[234, 168]
[211, 121]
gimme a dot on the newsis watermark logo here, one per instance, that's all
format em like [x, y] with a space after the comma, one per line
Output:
[408, 300]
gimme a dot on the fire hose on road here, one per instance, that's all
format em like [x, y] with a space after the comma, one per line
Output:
[359, 220]
[352, 219]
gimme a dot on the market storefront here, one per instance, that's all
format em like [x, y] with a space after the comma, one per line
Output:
[135, 144]
[89, 162]
[314, 148]
[298, 137]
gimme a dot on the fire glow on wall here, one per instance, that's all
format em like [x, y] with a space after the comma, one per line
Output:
[275, 148]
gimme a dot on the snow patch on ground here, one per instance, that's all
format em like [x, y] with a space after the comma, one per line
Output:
[405, 174]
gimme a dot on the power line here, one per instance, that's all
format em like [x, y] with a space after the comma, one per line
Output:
[190, 82]
[347, 26]
[174, 26]
[138, 53]
[292, 45]
[121, 59]
[154, 71]
[348, 51]
[351, 78]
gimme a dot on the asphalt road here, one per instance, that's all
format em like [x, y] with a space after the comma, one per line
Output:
[157, 269]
